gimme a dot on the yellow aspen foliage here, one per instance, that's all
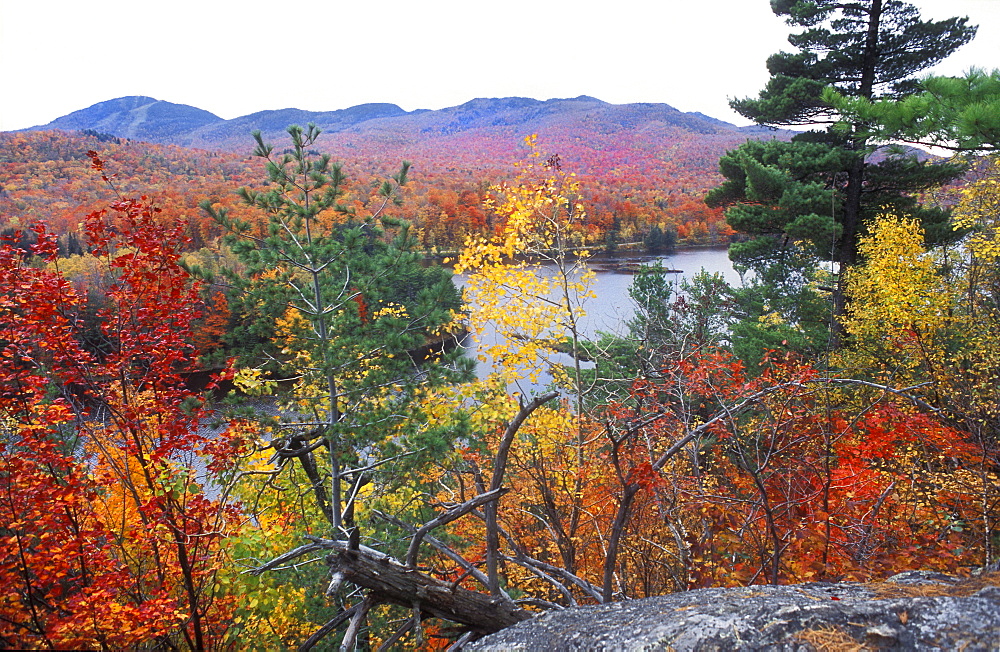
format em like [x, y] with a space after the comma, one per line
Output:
[250, 381]
[978, 360]
[927, 320]
[273, 610]
[898, 286]
[979, 210]
[901, 305]
[529, 280]
[526, 285]
[929, 316]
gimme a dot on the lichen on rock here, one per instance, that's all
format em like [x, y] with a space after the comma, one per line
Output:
[910, 611]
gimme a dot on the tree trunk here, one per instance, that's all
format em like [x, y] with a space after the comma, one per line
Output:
[847, 254]
[391, 582]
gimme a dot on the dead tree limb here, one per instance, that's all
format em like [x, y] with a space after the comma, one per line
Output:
[388, 581]
[351, 635]
[447, 517]
[523, 559]
[331, 625]
[391, 582]
[441, 547]
[396, 636]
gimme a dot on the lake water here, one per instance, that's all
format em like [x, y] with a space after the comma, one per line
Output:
[612, 307]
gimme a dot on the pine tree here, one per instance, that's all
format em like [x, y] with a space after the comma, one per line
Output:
[343, 305]
[956, 113]
[816, 192]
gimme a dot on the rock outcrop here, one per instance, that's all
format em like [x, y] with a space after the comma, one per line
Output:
[911, 611]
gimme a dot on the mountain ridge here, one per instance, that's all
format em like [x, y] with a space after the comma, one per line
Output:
[158, 121]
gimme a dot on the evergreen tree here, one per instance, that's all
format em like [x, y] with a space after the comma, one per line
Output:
[69, 245]
[658, 240]
[343, 306]
[956, 113]
[816, 193]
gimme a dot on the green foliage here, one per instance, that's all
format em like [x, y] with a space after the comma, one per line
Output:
[672, 321]
[659, 240]
[812, 197]
[781, 194]
[791, 314]
[680, 318]
[961, 113]
[340, 303]
[837, 49]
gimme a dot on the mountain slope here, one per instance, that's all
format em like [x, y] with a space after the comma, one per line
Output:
[136, 117]
[148, 119]
[234, 134]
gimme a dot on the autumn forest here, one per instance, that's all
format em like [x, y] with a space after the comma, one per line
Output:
[234, 413]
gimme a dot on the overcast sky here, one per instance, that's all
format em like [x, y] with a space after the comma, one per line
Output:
[234, 57]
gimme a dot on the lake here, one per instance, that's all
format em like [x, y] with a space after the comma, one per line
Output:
[612, 307]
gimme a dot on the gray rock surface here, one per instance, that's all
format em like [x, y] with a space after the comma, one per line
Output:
[911, 611]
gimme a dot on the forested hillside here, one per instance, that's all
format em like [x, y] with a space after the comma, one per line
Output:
[233, 413]
[642, 165]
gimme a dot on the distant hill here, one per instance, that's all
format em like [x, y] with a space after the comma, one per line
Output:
[640, 165]
[138, 118]
[156, 121]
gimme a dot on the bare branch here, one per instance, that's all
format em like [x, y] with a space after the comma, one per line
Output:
[397, 635]
[499, 469]
[330, 626]
[351, 635]
[442, 548]
[280, 560]
[447, 517]
[729, 412]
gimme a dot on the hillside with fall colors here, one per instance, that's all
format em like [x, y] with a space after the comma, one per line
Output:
[640, 165]
[236, 410]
